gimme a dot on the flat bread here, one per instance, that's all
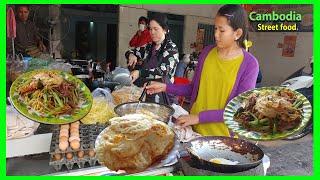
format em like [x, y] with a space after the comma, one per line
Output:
[134, 142]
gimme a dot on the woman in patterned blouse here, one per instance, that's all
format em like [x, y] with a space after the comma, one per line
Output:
[158, 60]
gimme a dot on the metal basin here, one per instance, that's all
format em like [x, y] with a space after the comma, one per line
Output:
[159, 111]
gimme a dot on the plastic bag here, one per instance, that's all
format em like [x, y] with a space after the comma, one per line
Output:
[126, 94]
[102, 108]
[19, 126]
[15, 67]
[66, 67]
[37, 63]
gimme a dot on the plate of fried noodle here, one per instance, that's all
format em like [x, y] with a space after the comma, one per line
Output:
[50, 96]
[267, 113]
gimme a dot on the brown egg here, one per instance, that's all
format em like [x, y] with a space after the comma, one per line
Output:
[63, 138]
[74, 138]
[69, 155]
[75, 134]
[64, 132]
[80, 154]
[75, 125]
[73, 130]
[57, 157]
[63, 145]
[75, 145]
[91, 153]
[65, 126]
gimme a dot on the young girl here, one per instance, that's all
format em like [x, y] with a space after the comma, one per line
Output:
[224, 71]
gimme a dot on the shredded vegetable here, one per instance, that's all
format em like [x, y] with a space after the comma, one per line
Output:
[48, 94]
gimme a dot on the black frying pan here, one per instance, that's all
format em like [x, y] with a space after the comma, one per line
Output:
[204, 149]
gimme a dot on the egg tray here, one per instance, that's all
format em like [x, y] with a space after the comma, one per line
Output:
[87, 135]
[74, 162]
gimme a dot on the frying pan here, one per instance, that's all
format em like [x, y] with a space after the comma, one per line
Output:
[206, 148]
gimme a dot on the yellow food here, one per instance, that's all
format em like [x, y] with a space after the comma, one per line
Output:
[100, 112]
[223, 161]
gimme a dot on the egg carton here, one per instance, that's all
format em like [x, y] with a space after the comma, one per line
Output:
[74, 162]
[87, 135]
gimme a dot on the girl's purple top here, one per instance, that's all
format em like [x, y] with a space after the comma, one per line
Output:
[246, 80]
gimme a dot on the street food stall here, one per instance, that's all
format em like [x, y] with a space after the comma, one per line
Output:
[75, 117]
[103, 128]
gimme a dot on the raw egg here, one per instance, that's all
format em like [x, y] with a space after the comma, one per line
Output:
[75, 144]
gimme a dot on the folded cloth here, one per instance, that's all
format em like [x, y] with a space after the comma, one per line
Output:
[184, 134]
[19, 126]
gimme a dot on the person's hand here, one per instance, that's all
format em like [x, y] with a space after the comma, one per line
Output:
[132, 60]
[187, 120]
[134, 75]
[156, 87]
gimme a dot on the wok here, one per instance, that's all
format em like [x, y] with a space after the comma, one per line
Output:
[164, 112]
[204, 149]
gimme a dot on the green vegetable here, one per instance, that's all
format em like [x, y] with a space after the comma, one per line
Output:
[260, 122]
[54, 111]
[274, 129]
[296, 105]
[56, 97]
[255, 118]
[264, 128]
[45, 98]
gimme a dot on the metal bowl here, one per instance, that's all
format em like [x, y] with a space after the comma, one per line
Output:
[162, 111]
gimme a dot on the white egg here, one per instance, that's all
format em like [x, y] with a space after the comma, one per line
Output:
[223, 161]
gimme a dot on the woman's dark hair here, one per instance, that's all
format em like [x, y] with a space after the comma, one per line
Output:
[237, 18]
[142, 18]
[161, 19]
[22, 5]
